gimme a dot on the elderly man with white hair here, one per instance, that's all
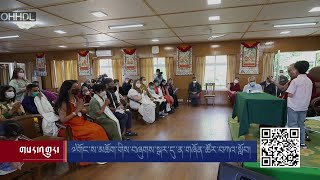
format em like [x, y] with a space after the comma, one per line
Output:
[252, 86]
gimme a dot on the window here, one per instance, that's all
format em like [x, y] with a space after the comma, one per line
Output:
[284, 59]
[106, 67]
[216, 71]
[160, 63]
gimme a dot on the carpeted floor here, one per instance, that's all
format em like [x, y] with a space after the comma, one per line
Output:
[309, 157]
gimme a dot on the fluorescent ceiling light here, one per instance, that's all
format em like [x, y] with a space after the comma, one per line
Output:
[60, 32]
[210, 2]
[214, 18]
[8, 37]
[99, 14]
[168, 48]
[215, 46]
[315, 9]
[285, 32]
[268, 43]
[125, 26]
[294, 25]
[63, 46]
[93, 46]
[155, 40]
[216, 36]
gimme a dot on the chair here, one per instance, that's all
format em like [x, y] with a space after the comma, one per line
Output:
[210, 93]
[135, 112]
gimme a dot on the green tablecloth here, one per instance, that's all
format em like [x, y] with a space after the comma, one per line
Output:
[259, 108]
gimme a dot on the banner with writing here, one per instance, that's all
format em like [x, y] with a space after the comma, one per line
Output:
[84, 63]
[32, 151]
[41, 66]
[162, 151]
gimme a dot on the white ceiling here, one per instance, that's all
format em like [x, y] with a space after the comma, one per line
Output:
[169, 21]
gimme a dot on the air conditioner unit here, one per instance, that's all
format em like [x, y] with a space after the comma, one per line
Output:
[103, 53]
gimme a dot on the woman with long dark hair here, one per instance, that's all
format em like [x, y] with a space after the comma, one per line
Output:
[9, 108]
[70, 109]
[19, 82]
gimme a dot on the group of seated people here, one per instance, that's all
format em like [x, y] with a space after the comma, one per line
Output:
[108, 105]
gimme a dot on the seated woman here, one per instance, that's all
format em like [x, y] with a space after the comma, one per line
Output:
[164, 88]
[70, 109]
[173, 92]
[141, 102]
[233, 89]
[162, 102]
[9, 108]
[158, 90]
[98, 108]
[85, 94]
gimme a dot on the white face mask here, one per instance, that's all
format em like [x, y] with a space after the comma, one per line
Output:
[138, 85]
[194, 81]
[103, 94]
[236, 81]
[144, 82]
[87, 93]
[9, 95]
[21, 75]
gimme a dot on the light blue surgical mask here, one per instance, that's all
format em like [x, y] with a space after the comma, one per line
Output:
[252, 84]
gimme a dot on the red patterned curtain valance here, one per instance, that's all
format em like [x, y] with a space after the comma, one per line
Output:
[129, 51]
[184, 48]
[83, 53]
[250, 44]
[39, 55]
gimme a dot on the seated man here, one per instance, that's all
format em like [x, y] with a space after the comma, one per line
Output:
[124, 116]
[252, 86]
[194, 91]
[233, 89]
[50, 96]
[28, 102]
[268, 86]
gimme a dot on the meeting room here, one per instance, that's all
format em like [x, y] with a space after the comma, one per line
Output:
[162, 71]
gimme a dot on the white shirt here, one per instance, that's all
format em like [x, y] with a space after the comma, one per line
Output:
[301, 89]
[133, 104]
[256, 87]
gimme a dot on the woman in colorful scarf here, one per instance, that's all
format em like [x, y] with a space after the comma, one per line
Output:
[9, 108]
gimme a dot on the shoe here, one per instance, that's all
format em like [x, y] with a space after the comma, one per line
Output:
[129, 133]
[126, 139]
[102, 163]
[303, 146]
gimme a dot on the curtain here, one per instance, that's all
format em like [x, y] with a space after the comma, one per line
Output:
[117, 69]
[146, 69]
[267, 62]
[96, 68]
[200, 69]
[231, 67]
[63, 70]
[169, 67]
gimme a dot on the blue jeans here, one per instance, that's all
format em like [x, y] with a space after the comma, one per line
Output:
[296, 120]
[125, 120]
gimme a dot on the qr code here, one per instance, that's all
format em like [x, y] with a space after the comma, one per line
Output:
[279, 147]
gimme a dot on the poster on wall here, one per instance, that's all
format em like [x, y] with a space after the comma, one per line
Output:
[130, 62]
[249, 58]
[41, 68]
[184, 60]
[84, 63]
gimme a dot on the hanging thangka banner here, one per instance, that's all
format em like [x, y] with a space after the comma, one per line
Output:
[130, 62]
[249, 58]
[184, 60]
[41, 64]
[84, 63]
